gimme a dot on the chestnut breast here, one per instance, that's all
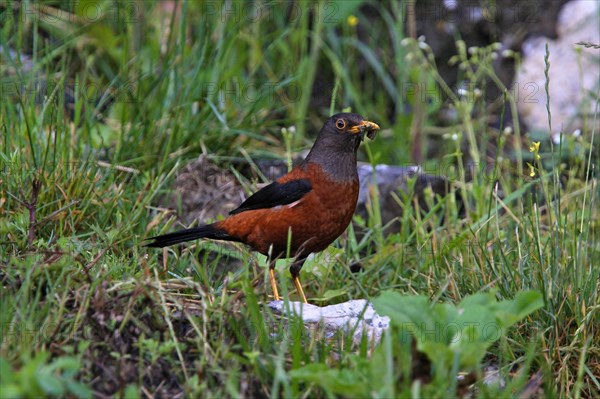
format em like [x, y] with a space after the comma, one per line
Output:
[312, 223]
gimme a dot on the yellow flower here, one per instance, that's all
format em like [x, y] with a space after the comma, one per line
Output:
[535, 147]
[352, 20]
[531, 170]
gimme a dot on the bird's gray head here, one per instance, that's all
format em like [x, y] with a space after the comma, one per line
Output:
[336, 145]
[347, 130]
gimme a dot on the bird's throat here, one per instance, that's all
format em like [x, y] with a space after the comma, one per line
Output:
[338, 162]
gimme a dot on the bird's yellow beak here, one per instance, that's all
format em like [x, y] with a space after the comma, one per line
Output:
[370, 128]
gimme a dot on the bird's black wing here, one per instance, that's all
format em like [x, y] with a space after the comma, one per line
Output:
[275, 194]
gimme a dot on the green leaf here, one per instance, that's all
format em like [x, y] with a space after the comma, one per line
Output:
[81, 390]
[445, 331]
[49, 383]
[132, 392]
[67, 365]
[403, 309]
[10, 390]
[347, 382]
[481, 298]
[309, 371]
[6, 373]
[524, 303]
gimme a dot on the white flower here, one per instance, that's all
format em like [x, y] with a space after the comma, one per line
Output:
[451, 136]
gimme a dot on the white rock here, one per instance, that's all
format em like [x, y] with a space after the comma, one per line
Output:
[356, 317]
[578, 22]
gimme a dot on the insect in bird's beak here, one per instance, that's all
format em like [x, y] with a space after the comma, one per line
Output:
[365, 127]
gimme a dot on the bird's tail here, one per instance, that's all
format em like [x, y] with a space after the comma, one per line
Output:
[211, 231]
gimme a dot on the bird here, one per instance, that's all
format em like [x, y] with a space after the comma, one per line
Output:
[302, 212]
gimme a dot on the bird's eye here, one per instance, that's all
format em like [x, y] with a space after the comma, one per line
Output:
[340, 124]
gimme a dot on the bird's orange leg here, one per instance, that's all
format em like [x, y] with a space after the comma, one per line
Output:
[273, 281]
[295, 271]
[299, 288]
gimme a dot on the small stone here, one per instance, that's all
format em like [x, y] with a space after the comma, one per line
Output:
[355, 316]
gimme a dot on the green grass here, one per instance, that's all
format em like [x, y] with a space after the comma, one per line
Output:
[81, 182]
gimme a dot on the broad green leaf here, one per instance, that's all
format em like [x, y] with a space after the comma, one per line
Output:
[67, 365]
[404, 310]
[481, 298]
[443, 331]
[524, 303]
[81, 390]
[10, 390]
[345, 382]
[50, 383]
